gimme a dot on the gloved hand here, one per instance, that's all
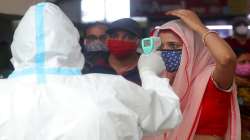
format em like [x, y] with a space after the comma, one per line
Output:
[150, 67]
[151, 63]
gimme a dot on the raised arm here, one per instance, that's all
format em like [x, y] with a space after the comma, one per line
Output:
[155, 102]
[220, 50]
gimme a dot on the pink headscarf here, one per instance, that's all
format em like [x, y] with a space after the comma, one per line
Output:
[190, 83]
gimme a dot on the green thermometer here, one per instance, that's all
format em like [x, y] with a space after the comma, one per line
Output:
[150, 44]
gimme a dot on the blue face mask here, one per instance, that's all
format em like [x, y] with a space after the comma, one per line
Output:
[172, 59]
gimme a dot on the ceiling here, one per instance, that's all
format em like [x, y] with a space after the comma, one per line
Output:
[18, 7]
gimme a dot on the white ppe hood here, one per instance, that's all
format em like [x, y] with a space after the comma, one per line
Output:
[46, 37]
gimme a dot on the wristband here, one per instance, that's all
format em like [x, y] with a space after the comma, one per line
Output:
[204, 36]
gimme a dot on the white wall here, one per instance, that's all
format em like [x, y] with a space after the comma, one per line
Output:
[16, 7]
[72, 8]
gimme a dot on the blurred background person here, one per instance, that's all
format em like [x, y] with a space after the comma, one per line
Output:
[243, 69]
[94, 47]
[123, 42]
[239, 41]
[243, 83]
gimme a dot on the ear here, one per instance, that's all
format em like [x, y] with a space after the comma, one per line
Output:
[84, 42]
[138, 42]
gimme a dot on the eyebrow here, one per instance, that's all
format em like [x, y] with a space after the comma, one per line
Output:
[173, 42]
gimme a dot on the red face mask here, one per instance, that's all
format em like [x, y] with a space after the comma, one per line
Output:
[120, 48]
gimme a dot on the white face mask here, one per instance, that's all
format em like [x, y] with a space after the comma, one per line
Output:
[241, 30]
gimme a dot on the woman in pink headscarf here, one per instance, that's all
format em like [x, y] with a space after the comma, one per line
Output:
[200, 66]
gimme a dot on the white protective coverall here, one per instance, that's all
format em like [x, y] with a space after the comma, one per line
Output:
[47, 98]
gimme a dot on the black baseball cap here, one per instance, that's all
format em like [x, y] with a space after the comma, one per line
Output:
[126, 24]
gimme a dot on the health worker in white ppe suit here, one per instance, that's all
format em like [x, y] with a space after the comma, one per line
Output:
[47, 98]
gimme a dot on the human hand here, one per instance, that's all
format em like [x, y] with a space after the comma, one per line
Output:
[169, 75]
[190, 18]
[151, 63]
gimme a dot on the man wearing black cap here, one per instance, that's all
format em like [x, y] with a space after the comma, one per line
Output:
[124, 38]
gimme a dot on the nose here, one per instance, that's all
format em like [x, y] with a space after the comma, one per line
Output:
[119, 37]
[164, 46]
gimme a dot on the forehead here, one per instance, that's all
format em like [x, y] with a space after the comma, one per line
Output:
[121, 32]
[96, 30]
[168, 35]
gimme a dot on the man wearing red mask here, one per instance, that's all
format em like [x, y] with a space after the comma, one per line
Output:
[124, 39]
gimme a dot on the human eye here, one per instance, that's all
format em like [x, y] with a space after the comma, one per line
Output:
[103, 37]
[174, 45]
[130, 36]
[113, 35]
[91, 37]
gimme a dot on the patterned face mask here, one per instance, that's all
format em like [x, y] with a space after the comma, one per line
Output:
[172, 59]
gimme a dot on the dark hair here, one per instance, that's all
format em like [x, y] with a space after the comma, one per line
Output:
[239, 20]
[5, 54]
[94, 24]
[5, 49]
